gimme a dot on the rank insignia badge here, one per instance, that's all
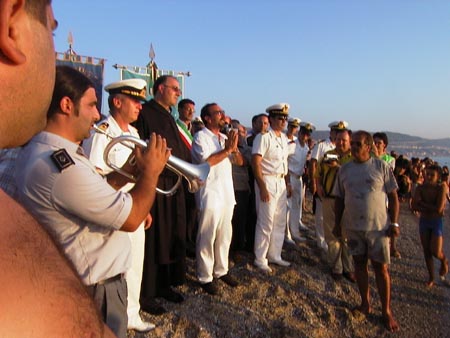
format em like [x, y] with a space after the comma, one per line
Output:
[62, 159]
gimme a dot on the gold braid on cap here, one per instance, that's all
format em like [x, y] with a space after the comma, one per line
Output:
[136, 93]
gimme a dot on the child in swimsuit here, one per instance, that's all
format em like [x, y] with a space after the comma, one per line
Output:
[429, 200]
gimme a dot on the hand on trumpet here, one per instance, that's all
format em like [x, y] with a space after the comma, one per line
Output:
[152, 160]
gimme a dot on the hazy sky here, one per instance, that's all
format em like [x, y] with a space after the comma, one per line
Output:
[380, 65]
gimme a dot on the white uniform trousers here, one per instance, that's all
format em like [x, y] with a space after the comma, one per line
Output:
[213, 243]
[134, 274]
[339, 259]
[295, 205]
[271, 220]
[320, 236]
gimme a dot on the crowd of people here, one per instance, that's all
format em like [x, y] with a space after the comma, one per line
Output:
[118, 245]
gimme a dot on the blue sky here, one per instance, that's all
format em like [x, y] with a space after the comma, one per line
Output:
[380, 65]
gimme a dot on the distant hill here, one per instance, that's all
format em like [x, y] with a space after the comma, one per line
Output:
[410, 146]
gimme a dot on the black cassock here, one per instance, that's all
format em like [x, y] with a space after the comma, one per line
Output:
[165, 241]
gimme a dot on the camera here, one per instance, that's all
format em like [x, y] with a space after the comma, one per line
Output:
[227, 128]
[329, 158]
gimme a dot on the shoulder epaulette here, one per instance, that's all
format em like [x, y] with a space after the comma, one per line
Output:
[62, 159]
[103, 126]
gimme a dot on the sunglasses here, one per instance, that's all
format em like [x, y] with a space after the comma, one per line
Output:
[281, 118]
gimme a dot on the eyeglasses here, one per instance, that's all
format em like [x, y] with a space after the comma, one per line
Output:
[221, 112]
[174, 88]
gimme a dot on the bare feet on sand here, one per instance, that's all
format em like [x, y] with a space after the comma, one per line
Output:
[390, 323]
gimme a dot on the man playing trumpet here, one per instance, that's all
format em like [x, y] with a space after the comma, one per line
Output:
[125, 102]
[78, 207]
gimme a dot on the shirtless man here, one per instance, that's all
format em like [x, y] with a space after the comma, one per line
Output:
[41, 295]
[429, 200]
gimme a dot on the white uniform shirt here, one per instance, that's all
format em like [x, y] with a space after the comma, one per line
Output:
[77, 207]
[218, 189]
[274, 151]
[297, 159]
[321, 148]
[95, 145]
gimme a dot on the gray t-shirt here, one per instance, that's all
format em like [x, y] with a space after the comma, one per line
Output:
[364, 188]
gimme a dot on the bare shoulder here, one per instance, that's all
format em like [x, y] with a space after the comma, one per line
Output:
[40, 290]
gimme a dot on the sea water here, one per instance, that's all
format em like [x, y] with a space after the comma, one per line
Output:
[442, 161]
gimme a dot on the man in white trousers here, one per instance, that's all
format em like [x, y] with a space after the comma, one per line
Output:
[296, 164]
[215, 199]
[124, 102]
[270, 168]
[293, 126]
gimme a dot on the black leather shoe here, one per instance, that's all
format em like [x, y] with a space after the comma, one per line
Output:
[210, 288]
[153, 308]
[172, 296]
[230, 280]
[350, 276]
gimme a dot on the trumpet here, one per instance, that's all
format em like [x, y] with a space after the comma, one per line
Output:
[195, 175]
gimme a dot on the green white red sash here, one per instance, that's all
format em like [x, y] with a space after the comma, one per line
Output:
[185, 134]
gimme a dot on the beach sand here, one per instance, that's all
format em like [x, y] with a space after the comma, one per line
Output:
[304, 301]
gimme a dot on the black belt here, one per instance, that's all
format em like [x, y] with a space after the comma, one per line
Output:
[111, 279]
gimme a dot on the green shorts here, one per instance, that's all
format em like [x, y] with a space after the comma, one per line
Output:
[373, 244]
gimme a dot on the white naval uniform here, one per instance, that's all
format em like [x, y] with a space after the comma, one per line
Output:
[82, 212]
[296, 165]
[215, 201]
[317, 153]
[94, 148]
[271, 215]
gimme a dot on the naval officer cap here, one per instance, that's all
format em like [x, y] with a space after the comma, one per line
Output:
[197, 120]
[294, 122]
[135, 88]
[338, 125]
[307, 127]
[278, 109]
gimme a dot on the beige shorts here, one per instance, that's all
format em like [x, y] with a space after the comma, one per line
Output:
[373, 244]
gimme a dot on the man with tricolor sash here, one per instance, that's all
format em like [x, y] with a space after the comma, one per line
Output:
[186, 111]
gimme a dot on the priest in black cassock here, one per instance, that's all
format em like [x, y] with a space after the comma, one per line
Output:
[165, 241]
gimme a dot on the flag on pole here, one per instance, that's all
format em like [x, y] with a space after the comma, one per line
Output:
[90, 66]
